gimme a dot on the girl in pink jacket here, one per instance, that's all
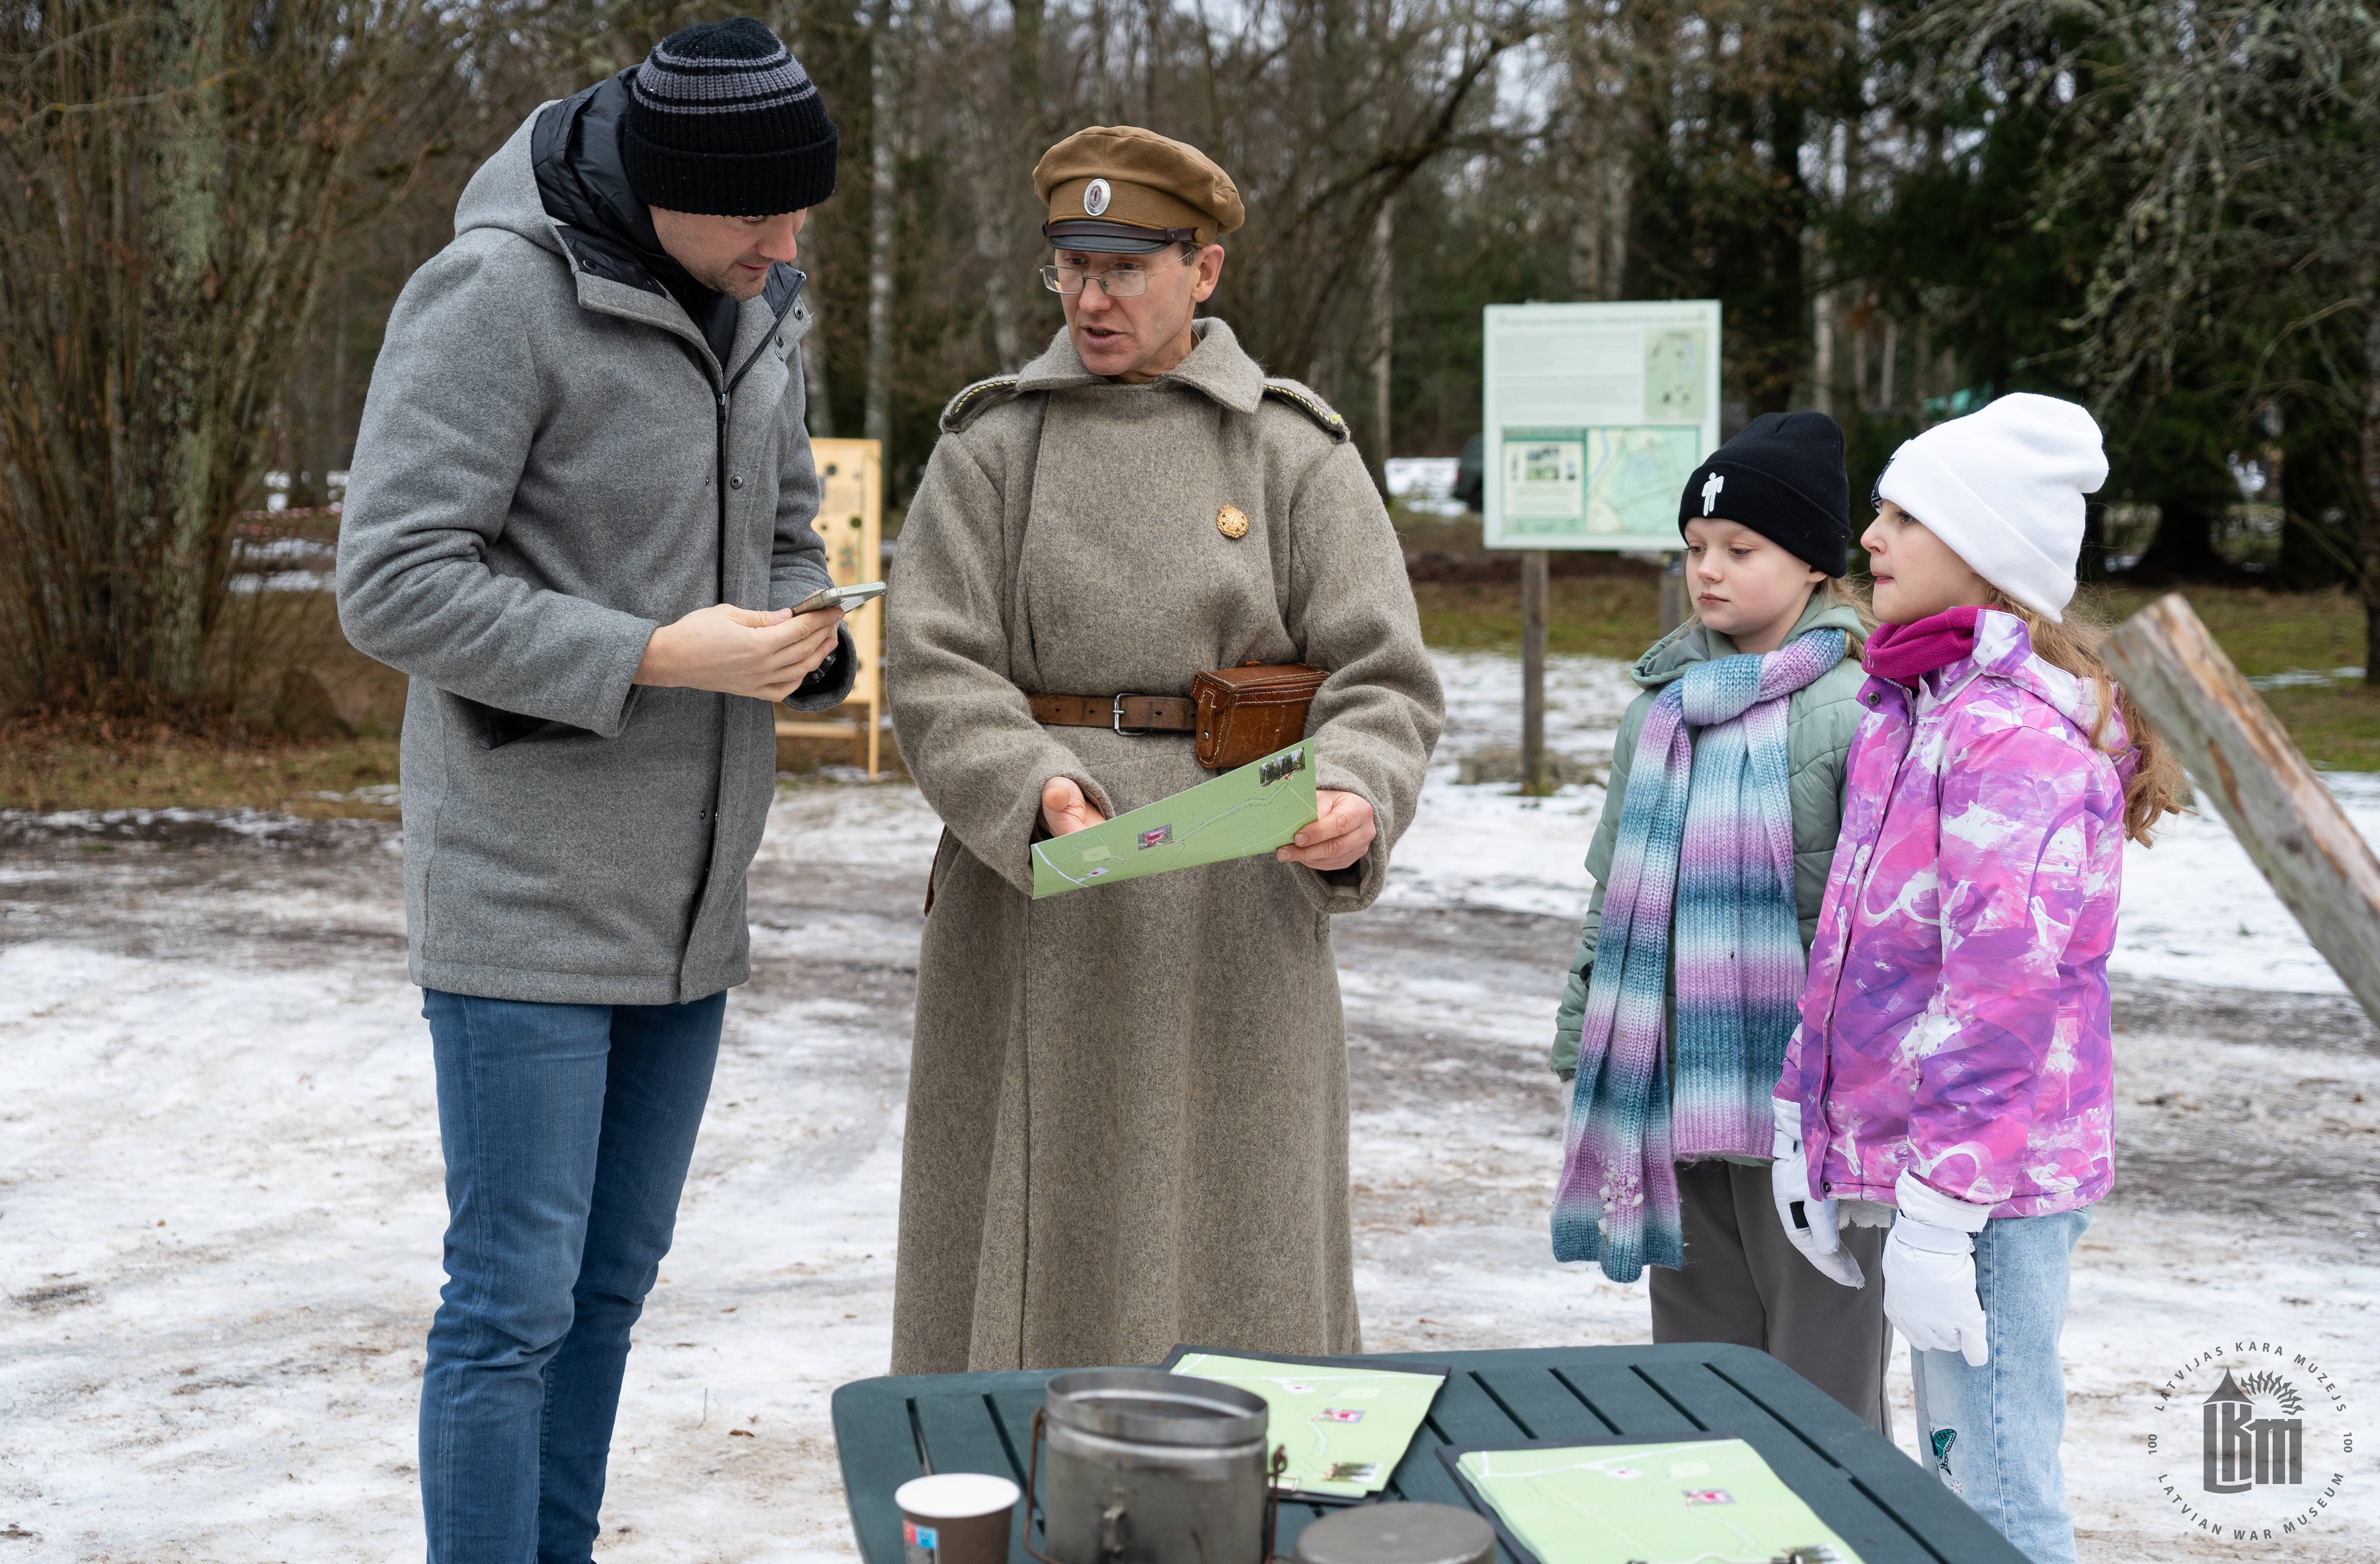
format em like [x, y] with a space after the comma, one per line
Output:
[1952, 1074]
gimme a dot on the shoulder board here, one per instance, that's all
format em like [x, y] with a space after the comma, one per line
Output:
[983, 394]
[1309, 404]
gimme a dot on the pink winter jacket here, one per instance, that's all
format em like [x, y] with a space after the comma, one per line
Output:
[1955, 1021]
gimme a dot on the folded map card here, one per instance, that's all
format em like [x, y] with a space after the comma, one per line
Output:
[1649, 1501]
[1261, 806]
[1345, 1424]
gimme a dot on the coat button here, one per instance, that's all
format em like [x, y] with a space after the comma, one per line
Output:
[736, 482]
[781, 342]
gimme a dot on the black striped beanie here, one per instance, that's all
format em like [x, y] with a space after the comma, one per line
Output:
[722, 120]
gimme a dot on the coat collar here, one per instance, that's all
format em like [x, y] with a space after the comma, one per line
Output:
[2004, 652]
[778, 304]
[1217, 368]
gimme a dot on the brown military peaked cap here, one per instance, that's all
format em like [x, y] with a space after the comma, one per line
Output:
[1119, 189]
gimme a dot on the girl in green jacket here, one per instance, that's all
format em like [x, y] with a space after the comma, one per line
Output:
[1709, 862]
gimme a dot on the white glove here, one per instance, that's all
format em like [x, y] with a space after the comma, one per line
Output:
[1929, 1271]
[1811, 1225]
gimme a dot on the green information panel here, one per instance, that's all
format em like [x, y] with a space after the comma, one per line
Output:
[1597, 415]
[1261, 806]
[1345, 1425]
[1686, 1501]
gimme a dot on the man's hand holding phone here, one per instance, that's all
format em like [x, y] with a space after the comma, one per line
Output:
[764, 654]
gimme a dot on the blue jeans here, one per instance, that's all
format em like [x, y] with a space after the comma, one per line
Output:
[1993, 1431]
[568, 1129]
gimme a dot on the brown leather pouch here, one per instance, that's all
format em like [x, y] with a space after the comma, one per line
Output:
[1244, 714]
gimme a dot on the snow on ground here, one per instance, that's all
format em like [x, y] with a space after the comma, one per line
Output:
[1483, 846]
[219, 1179]
[2196, 910]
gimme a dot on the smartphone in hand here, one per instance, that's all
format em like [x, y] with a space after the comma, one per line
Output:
[844, 597]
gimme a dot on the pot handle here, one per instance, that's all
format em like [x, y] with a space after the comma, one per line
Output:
[1273, 1472]
[1033, 1487]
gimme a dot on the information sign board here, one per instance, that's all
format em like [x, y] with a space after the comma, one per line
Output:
[1596, 416]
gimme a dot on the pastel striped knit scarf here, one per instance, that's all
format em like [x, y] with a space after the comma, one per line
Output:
[1708, 825]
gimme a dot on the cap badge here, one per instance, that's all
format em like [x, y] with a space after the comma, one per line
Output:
[1711, 486]
[1232, 521]
[1095, 197]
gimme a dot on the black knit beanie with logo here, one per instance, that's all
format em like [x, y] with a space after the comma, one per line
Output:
[1783, 478]
[724, 120]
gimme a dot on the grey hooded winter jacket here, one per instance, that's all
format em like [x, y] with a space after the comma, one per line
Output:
[536, 486]
[1820, 721]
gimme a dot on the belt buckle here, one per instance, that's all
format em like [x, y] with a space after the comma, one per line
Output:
[1115, 719]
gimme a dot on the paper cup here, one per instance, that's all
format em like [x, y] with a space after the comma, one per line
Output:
[956, 1518]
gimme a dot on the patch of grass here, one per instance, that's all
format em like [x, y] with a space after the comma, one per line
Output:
[2264, 632]
[99, 765]
[2271, 632]
[1607, 616]
[2338, 729]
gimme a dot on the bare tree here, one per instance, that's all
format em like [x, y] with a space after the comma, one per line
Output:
[884, 165]
[172, 177]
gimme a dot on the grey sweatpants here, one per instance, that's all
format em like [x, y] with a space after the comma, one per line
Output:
[1744, 1282]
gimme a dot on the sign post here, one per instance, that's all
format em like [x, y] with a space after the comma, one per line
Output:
[850, 518]
[1596, 416]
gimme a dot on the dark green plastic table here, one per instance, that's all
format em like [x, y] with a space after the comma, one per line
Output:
[1885, 1505]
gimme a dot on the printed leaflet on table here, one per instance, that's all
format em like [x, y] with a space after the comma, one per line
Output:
[1345, 1425]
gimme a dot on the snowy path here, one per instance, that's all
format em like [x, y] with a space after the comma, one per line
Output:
[219, 1201]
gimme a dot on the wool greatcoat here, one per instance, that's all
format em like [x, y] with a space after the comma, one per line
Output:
[1127, 1119]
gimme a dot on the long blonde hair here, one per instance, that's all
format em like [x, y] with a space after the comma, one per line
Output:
[1841, 592]
[2156, 784]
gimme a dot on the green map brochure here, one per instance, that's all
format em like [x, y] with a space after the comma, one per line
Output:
[1261, 806]
[1709, 1500]
[1346, 1427]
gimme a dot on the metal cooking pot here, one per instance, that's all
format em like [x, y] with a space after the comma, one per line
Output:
[1149, 1468]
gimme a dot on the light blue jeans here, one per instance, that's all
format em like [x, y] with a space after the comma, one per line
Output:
[1992, 1432]
[568, 1130]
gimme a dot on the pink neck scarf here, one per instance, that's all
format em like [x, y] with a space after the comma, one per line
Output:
[1904, 653]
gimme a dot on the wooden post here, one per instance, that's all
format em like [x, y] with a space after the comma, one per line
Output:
[1674, 590]
[2244, 763]
[1536, 569]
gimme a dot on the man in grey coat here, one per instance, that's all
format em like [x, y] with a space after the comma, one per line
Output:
[578, 517]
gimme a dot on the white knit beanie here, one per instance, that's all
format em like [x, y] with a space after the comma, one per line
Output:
[2004, 488]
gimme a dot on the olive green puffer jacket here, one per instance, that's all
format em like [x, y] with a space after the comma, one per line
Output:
[1821, 718]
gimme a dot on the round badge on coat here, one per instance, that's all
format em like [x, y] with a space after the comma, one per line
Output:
[1095, 197]
[1232, 521]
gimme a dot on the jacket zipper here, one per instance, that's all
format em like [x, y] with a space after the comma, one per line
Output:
[720, 485]
[726, 406]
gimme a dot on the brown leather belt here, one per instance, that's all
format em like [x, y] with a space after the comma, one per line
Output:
[1119, 713]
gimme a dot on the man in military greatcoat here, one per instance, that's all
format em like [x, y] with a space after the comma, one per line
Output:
[1128, 1121]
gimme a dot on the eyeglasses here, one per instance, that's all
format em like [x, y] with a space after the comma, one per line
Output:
[1117, 282]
